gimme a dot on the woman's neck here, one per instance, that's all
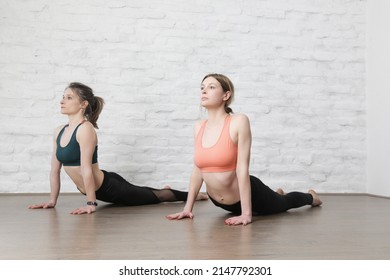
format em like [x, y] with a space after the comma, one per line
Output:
[216, 116]
[75, 120]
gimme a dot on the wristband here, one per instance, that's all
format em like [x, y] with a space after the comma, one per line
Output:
[94, 203]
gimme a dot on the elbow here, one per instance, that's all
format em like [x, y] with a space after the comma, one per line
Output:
[242, 172]
[55, 172]
[86, 171]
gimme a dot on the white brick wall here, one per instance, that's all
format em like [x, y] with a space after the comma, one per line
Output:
[298, 67]
[378, 97]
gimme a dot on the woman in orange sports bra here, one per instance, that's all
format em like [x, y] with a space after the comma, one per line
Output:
[222, 155]
[75, 148]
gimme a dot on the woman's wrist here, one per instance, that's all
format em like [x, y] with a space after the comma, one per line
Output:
[93, 203]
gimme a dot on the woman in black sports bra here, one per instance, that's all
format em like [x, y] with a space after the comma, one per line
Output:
[75, 147]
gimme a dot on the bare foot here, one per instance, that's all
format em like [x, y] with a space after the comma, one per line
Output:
[202, 196]
[280, 191]
[316, 199]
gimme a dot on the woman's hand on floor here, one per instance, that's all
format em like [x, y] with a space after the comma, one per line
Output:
[180, 215]
[239, 220]
[84, 210]
[45, 205]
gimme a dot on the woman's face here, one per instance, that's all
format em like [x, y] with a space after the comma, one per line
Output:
[70, 103]
[211, 93]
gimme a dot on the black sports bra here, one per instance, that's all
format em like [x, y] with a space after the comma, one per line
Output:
[70, 154]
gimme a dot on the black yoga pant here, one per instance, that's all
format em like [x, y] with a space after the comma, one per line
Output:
[116, 189]
[266, 201]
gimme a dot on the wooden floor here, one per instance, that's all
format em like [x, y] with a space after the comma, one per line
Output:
[346, 227]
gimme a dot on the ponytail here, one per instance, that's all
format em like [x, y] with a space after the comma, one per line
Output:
[228, 109]
[96, 109]
[95, 103]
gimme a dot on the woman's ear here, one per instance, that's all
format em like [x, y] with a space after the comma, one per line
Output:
[84, 104]
[227, 96]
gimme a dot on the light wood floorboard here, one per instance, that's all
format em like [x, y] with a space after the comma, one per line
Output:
[346, 227]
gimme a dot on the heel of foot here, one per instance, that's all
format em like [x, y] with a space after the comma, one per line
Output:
[316, 199]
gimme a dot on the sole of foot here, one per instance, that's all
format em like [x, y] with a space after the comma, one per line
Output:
[280, 191]
[202, 196]
[316, 199]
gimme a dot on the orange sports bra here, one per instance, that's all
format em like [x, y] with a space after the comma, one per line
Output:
[220, 157]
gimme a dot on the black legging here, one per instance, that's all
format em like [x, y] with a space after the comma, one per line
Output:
[115, 189]
[266, 201]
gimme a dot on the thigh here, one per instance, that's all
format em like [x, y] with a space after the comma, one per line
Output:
[267, 201]
[264, 199]
[116, 189]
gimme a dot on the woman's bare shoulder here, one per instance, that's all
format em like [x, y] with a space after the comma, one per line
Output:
[86, 129]
[198, 125]
[87, 125]
[240, 119]
[199, 122]
[58, 129]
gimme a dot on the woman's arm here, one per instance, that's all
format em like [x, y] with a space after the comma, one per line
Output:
[244, 140]
[55, 182]
[196, 182]
[87, 139]
[194, 188]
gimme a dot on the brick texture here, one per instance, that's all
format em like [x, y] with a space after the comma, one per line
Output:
[298, 68]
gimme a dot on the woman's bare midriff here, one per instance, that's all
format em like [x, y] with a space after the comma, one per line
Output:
[222, 186]
[74, 172]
